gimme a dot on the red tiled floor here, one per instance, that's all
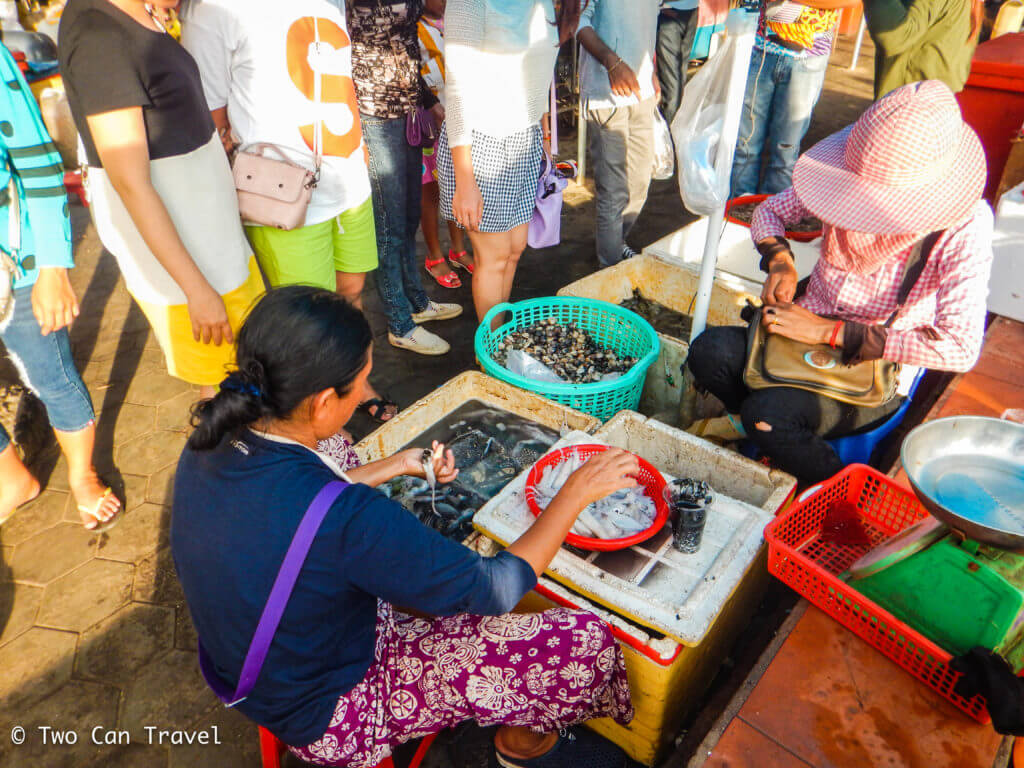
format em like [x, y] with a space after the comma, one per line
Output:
[744, 747]
[980, 395]
[1001, 358]
[834, 701]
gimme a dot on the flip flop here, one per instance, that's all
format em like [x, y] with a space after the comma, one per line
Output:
[100, 527]
[453, 259]
[451, 280]
[381, 404]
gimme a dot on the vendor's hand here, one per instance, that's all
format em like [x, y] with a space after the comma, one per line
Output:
[209, 317]
[437, 114]
[795, 322]
[443, 462]
[53, 300]
[468, 203]
[780, 286]
[623, 79]
[603, 474]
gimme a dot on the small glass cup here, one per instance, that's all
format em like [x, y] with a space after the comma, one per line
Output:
[688, 502]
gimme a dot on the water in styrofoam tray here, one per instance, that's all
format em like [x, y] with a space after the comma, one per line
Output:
[653, 584]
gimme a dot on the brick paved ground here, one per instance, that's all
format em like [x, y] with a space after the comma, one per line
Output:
[93, 630]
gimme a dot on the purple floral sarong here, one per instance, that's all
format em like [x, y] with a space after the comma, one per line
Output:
[339, 449]
[544, 671]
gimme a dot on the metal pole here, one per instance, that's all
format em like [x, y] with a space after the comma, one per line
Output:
[860, 39]
[581, 123]
[581, 143]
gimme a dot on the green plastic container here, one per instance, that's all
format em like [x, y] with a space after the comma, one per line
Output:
[958, 594]
[611, 326]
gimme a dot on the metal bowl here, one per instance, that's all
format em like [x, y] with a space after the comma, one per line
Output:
[968, 471]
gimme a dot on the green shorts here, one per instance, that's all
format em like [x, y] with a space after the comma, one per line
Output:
[311, 255]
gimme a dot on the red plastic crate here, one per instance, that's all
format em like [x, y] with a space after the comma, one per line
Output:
[798, 557]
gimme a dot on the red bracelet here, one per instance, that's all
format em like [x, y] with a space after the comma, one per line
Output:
[835, 334]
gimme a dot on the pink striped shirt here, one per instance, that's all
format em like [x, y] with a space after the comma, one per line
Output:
[943, 322]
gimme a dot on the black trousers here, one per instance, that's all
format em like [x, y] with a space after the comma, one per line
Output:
[676, 30]
[800, 421]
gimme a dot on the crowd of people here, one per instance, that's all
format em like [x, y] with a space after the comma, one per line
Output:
[399, 114]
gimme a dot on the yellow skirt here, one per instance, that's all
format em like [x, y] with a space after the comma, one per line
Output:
[191, 360]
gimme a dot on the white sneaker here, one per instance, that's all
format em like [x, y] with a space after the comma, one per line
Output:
[421, 341]
[627, 252]
[435, 311]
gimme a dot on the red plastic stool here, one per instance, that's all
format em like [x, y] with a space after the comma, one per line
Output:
[271, 749]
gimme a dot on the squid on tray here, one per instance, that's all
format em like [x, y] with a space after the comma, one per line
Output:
[623, 513]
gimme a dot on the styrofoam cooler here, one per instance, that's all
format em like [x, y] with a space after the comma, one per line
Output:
[1006, 286]
[673, 286]
[676, 615]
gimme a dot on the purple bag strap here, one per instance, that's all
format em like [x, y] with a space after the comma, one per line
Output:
[276, 603]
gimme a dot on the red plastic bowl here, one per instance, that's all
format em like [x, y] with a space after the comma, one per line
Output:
[650, 478]
[800, 237]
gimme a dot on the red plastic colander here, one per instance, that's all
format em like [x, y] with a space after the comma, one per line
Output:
[649, 477]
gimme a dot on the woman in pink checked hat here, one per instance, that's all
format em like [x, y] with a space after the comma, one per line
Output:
[898, 191]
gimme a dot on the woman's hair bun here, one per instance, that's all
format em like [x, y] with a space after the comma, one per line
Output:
[296, 341]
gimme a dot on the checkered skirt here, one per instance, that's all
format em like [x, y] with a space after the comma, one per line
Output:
[507, 169]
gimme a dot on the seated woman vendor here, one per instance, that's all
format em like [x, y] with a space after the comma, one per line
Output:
[349, 675]
[908, 168]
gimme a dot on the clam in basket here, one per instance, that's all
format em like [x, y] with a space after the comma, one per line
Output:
[611, 326]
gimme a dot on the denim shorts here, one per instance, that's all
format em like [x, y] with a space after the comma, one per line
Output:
[47, 368]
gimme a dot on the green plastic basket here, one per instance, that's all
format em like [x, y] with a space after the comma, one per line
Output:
[610, 325]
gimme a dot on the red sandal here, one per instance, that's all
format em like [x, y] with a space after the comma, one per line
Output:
[453, 259]
[451, 280]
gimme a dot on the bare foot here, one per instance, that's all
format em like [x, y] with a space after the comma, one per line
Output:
[97, 505]
[16, 491]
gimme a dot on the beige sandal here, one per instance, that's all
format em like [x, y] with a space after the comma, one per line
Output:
[93, 512]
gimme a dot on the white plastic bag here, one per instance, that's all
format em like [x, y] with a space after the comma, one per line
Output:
[664, 153]
[710, 109]
[526, 365]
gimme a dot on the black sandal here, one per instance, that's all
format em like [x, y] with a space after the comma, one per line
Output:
[379, 405]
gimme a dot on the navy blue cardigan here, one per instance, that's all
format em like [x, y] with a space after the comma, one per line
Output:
[235, 511]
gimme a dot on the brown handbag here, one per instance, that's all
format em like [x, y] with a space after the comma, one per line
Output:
[777, 361]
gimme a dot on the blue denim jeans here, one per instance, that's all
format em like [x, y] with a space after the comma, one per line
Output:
[47, 368]
[396, 171]
[780, 98]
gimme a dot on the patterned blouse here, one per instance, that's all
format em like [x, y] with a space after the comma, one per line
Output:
[386, 56]
[941, 326]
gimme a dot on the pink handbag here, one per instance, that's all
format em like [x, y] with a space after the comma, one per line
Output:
[272, 192]
[276, 192]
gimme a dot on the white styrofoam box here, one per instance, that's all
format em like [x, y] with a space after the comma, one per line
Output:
[676, 594]
[395, 434]
[665, 647]
[1006, 286]
[678, 453]
[673, 286]
[736, 253]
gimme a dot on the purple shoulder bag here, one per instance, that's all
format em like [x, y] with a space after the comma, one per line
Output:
[276, 603]
[545, 227]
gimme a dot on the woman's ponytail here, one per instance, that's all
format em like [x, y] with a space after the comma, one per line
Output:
[296, 341]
